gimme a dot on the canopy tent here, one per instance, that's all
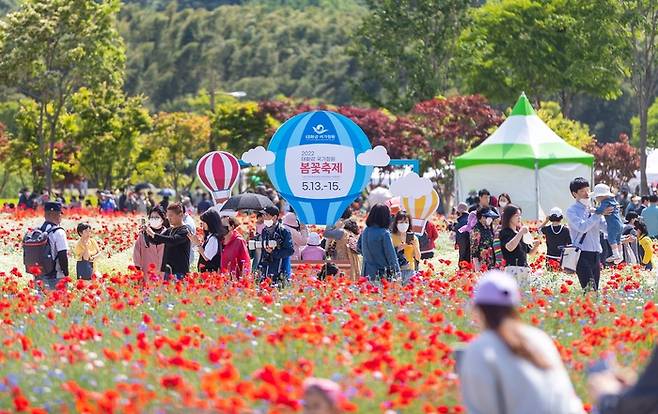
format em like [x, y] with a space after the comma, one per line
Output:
[525, 159]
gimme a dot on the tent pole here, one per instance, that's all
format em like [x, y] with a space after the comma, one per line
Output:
[537, 187]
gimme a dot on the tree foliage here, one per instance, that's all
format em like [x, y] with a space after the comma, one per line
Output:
[573, 132]
[615, 163]
[453, 126]
[652, 128]
[170, 153]
[108, 132]
[49, 49]
[404, 49]
[547, 48]
[297, 53]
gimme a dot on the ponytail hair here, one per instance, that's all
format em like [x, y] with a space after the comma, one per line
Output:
[504, 321]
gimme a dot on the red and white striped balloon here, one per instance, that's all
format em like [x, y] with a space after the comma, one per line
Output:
[218, 171]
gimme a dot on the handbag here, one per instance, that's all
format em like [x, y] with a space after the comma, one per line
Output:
[571, 255]
[84, 269]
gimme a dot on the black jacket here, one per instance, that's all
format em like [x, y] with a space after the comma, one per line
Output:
[642, 398]
[176, 257]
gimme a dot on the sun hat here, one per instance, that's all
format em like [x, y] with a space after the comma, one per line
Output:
[497, 288]
[290, 220]
[601, 190]
[462, 207]
[314, 239]
[330, 389]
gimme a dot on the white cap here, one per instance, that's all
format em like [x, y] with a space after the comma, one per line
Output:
[556, 211]
[314, 239]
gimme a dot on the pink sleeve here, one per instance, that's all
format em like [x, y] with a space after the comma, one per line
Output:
[137, 251]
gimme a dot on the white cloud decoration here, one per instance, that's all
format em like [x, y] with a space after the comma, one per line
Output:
[376, 157]
[259, 156]
[411, 186]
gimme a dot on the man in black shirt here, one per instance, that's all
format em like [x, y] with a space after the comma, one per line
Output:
[176, 259]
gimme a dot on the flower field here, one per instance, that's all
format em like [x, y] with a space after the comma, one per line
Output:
[214, 345]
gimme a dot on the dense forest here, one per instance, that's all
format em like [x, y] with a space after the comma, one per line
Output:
[220, 71]
[273, 48]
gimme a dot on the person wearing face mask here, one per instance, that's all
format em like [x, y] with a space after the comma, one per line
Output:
[585, 226]
[277, 248]
[482, 238]
[148, 255]
[406, 244]
[503, 200]
[176, 258]
[210, 250]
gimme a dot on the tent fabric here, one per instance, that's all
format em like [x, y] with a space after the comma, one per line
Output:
[526, 159]
[523, 140]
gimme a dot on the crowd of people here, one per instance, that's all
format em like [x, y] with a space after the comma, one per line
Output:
[489, 232]
[508, 358]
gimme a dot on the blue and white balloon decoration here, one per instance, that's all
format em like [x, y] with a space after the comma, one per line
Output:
[321, 162]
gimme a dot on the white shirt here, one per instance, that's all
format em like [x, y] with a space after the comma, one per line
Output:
[210, 251]
[189, 222]
[58, 244]
[493, 378]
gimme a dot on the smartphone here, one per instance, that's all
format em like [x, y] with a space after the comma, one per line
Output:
[143, 222]
[410, 238]
[271, 243]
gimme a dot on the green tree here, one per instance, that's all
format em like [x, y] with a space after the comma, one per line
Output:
[652, 127]
[404, 48]
[109, 127]
[642, 28]
[238, 127]
[171, 152]
[49, 49]
[573, 132]
[547, 48]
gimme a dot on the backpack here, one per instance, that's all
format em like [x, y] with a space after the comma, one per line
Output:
[37, 251]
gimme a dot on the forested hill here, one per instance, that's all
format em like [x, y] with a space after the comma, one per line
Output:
[266, 48]
[264, 51]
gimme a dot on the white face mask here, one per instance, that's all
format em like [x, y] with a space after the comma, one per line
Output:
[489, 220]
[268, 223]
[502, 204]
[585, 201]
[155, 223]
[403, 227]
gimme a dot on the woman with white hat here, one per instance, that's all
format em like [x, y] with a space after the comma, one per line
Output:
[557, 235]
[512, 367]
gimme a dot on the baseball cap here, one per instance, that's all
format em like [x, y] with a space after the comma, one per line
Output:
[490, 213]
[497, 288]
[53, 206]
[271, 210]
[556, 211]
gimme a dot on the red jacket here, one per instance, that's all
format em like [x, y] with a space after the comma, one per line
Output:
[235, 255]
[432, 234]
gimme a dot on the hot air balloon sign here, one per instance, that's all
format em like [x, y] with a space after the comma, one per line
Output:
[319, 162]
[418, 199]
[218, 171]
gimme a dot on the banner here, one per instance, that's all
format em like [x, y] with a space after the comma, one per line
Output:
[319, 162]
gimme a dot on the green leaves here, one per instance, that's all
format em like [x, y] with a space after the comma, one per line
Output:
[546, 48]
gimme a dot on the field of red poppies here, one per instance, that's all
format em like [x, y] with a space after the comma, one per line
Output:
[214, 345]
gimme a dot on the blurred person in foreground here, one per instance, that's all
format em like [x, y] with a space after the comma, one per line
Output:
[618, 391]
[511, 367]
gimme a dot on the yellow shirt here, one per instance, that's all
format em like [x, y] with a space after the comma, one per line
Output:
[411, 251]
[92, 248]
[647, 247]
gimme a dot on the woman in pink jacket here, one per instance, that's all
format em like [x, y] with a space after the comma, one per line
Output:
[299, 234]
[146, 254]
